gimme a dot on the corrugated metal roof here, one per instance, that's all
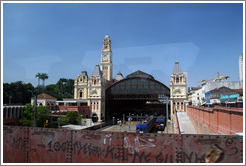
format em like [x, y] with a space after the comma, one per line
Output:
[139, 73]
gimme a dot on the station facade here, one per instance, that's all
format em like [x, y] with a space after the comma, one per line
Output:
[93, 90]
[90, 90]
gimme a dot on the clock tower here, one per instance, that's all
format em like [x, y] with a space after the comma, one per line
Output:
[106, 59]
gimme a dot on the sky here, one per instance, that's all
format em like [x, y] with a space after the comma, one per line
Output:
[63, 39]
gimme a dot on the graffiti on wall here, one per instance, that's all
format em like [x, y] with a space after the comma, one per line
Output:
[118, 147]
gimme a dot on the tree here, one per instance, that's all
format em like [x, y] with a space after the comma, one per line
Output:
[61, 83]
[43, 114]
[17, 93]
[44, 76]
[72, 117]
[38, 75]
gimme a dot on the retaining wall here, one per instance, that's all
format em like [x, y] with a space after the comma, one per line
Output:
[219, 120]
[42, 145]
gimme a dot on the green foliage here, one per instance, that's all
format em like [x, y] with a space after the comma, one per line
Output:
[17, 93]
[74, 117]
[64, 120]
[41, 116]
[27, 118]
[64, 88]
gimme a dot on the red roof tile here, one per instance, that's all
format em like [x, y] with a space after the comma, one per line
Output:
[44, 96]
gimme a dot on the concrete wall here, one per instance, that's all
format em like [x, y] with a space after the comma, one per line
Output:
[42, 145]
[219, 120]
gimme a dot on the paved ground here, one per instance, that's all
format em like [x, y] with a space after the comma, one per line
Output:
[132, 129]
[185, 124]
[124, 127]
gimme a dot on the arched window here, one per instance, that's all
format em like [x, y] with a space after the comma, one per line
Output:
[177, 80]
[80, 94]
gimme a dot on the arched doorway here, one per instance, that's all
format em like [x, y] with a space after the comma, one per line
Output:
[94, 118]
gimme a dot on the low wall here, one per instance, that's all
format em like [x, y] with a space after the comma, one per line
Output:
[43, 145]
[84, 110]
[219, 120]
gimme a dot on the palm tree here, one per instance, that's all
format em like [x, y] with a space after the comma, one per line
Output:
[39, 77]
[44, 76]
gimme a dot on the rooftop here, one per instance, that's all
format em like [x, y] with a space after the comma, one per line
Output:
[44, 96]
[177, 68]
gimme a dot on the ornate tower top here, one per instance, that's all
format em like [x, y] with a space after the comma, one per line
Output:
[97, 71]
[177, 69]
[106, 43]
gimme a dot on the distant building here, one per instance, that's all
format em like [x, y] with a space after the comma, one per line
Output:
[191, 90]
[217, 84]
[198, 97]
[45, 100]
[236, 96]
[214, 96]
[241, 67]
[178, 89]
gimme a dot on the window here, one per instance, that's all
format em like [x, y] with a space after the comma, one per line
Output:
[177, 80]
[80, 94]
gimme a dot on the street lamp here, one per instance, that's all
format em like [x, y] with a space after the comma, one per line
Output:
[35, 108]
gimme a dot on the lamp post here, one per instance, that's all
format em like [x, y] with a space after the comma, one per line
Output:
[35, 108]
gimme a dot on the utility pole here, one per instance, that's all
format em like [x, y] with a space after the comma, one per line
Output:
[35, 108]
[35, 111]
[167, 114]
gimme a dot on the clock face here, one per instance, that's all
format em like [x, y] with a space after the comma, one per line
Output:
[105, 57]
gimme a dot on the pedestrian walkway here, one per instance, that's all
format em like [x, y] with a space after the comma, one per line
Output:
[185, 124]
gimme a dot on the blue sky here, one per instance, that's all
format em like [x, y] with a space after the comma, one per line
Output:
[64, 39]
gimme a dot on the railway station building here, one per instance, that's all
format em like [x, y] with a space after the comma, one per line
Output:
[138, 93]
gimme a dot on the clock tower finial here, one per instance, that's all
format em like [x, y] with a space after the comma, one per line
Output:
[106, 59]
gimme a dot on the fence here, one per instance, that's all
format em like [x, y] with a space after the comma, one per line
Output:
[43, 145]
